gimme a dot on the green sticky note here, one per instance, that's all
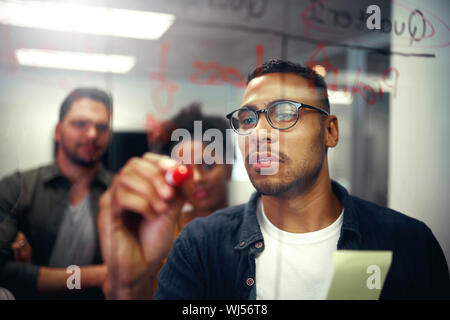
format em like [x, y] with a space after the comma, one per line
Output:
[359, 275]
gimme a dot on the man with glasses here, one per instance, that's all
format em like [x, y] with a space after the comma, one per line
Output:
[281, 243]
[55, 207]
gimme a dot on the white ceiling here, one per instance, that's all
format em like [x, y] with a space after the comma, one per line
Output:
[223, 31]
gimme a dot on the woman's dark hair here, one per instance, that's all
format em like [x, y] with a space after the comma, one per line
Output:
[185, 120]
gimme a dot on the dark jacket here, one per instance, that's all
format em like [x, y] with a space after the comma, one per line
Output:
[214, 257]
[34, 202]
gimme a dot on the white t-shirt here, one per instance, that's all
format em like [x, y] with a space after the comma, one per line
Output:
[295, 265]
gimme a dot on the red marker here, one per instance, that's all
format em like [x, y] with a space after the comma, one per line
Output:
[177, 176]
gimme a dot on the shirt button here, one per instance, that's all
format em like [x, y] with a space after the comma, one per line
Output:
[242, 244]
[258, 245]
[250, 282]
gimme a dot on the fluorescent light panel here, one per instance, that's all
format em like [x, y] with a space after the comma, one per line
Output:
[75, 60]
[85, 19]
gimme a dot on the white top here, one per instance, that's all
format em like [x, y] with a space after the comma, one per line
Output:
[295, 265]
[76, 240]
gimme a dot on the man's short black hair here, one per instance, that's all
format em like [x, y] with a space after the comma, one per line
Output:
[284, 66]
[91, 93]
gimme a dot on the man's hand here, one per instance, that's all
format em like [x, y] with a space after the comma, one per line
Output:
[52, 282]
[21, 248]
[137, 219]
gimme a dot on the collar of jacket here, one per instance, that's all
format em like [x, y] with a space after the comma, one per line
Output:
[52, 173]
[250, 230]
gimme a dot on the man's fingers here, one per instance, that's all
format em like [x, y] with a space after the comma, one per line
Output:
[146, 170]
[22, 251]
[21, 236]
[145, 178]
[149, 190]
[163, 162]
[19, 243]
[124, 200]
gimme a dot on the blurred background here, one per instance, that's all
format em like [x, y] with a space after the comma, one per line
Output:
[388, 86]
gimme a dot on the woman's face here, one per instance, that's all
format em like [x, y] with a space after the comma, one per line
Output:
[208, 188]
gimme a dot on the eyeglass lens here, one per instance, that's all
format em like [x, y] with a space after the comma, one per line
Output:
[282, 115]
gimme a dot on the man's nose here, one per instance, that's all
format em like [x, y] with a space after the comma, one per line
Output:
[197, 174]
[264, 132]
[92, 131]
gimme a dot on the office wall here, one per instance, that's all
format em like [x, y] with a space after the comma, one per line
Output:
[419, 163]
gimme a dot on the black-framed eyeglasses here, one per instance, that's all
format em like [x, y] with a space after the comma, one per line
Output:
[281, 115]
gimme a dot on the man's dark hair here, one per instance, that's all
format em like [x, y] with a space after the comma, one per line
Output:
[91, 93]
[283, 66]
[185, 120]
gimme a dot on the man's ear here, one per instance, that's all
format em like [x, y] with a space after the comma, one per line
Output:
[331, 127]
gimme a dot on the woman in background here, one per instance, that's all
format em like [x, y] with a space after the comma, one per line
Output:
[207, 190]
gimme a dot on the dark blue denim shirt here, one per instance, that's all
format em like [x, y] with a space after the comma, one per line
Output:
[214, 257]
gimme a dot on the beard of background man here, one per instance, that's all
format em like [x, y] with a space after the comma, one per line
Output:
[73, 153]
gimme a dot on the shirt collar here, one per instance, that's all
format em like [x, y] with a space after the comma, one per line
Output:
[251, 232]
[350, 225]
[52, 172]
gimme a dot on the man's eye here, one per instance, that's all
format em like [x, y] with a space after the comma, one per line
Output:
[102, 127]
[79, 124]
[209, 166]
[246, 117]
[248, 120]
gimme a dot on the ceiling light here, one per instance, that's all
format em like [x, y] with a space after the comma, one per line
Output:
[85, 19]
[75, 60]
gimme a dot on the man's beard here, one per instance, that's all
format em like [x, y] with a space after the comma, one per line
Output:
[74, 158]
[298, 180]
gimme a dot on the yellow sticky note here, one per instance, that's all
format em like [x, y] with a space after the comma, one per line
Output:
[359, 275]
